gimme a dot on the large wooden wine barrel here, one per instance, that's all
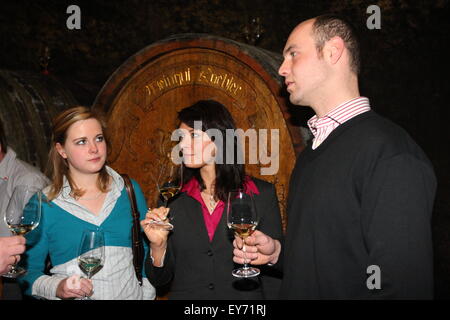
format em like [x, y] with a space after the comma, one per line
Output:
[28, 102]
[143, 96]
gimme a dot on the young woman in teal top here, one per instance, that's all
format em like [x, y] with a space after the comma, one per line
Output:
[85, 194]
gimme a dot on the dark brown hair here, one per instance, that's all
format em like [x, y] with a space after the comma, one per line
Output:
[328, 26]
[214, 115]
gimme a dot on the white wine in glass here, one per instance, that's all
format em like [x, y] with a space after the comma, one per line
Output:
[23, 215]
[91, 255]
[242, 218]
[169, 184]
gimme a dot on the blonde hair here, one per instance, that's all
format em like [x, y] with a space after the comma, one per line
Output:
[57, 166]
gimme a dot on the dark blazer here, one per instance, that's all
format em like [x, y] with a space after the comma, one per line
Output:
[199, 269]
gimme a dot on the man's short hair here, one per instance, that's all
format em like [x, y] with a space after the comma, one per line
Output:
[3, 143]
[328, 26]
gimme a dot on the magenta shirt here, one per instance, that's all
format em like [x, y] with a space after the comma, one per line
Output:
[192, 189]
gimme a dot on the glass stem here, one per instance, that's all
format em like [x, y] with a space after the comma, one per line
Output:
[85, 295]
[166, 203]
[245, 256]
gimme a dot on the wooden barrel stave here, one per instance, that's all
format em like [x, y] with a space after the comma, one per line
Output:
[28, 102]
[143, 96]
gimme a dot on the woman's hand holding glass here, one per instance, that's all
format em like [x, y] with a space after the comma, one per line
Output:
[74, 287]
[169, 184]
[156, 236]
[91, 254]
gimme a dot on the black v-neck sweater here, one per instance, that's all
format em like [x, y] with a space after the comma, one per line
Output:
[364, 197]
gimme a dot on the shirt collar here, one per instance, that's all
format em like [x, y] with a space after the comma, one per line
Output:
[334, 116]
[192, 187]
[117, 183]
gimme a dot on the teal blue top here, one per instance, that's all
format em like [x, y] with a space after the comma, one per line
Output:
[59, 234]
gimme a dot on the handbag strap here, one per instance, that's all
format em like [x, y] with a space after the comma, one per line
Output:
[137, 246]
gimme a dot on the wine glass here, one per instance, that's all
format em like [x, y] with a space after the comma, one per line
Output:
[242, 218]
[169, 184]
[22, 215]
[91, 255]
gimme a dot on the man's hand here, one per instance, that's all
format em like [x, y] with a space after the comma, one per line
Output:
[10, 250]
[259, 249]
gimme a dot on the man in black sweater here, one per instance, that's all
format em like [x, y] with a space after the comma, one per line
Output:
[361, 194]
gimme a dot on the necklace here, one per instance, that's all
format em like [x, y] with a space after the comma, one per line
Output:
[212, 201]
[91, 198]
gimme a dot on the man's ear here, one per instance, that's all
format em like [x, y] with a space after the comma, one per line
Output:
[61, 150]
[333, 49]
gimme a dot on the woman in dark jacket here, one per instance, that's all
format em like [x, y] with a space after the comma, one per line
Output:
[196, 257]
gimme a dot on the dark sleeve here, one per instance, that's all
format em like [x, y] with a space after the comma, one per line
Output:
[270, 217]
[270, 224]
[160, 277]
[397, 202]
[279, 265]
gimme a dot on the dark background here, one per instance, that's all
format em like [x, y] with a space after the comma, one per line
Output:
[404, 64]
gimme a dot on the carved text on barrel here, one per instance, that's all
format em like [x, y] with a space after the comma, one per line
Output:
[206, 75]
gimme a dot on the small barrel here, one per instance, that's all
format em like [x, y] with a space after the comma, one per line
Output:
[142, 98]
[28, 103]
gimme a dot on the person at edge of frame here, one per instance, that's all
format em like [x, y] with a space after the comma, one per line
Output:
[13, 172]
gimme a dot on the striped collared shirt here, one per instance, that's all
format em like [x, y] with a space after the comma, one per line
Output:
[322, 127]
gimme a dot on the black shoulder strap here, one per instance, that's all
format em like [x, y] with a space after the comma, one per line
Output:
[138, 249]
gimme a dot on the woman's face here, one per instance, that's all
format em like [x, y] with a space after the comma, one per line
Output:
[85, 147]
[197, 147]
